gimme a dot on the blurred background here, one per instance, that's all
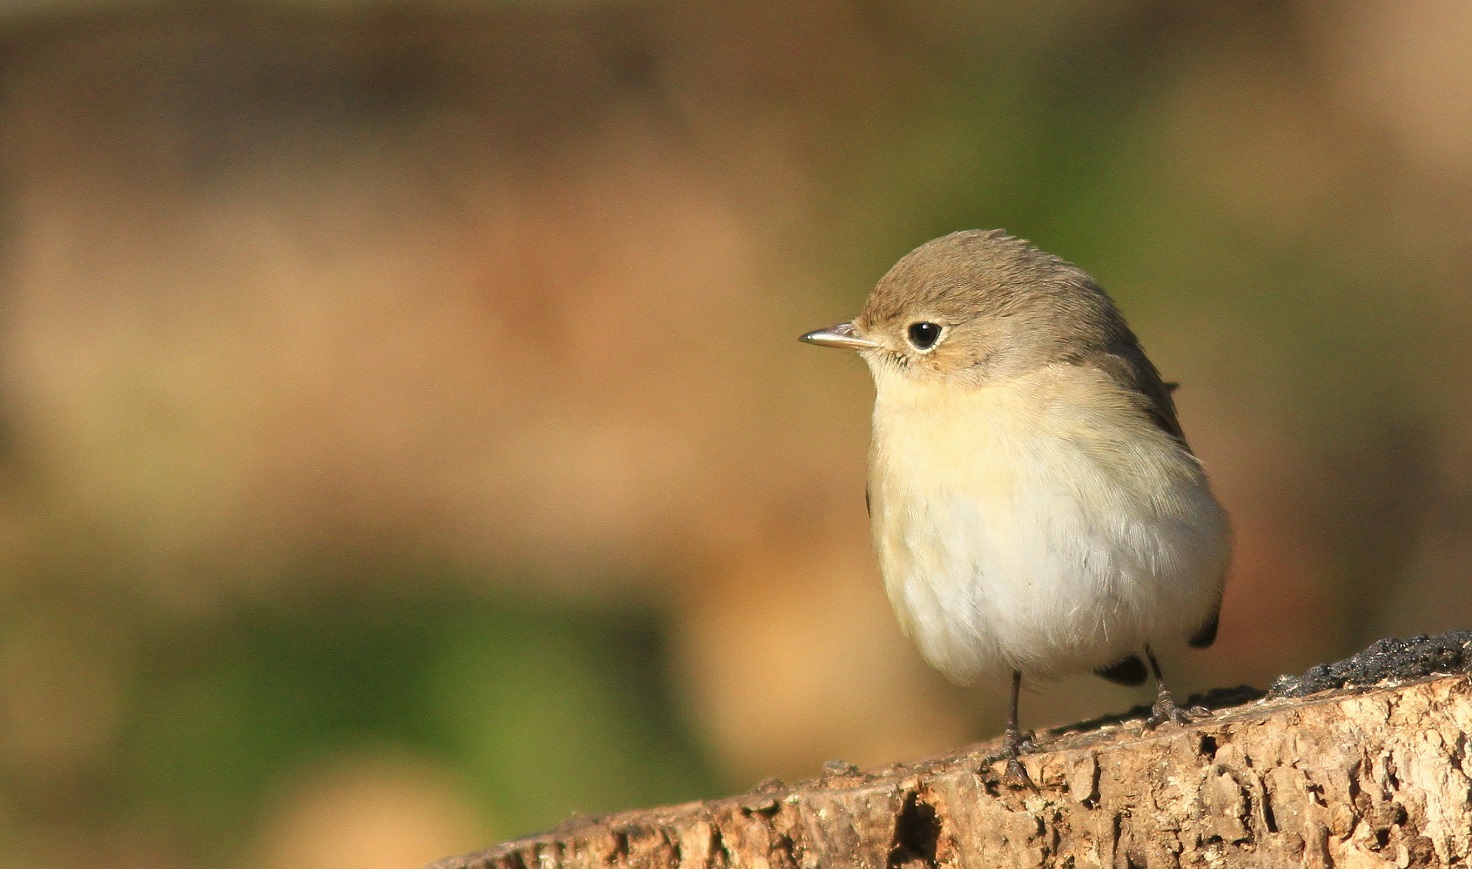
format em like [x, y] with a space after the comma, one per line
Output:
[405, 444]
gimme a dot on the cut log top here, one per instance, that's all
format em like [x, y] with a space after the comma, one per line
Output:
[1349, 776]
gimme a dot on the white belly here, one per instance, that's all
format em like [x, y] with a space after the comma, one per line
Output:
[1047, 536]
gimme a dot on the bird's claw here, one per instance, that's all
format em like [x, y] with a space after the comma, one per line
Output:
[1014, 745]
[1165, 709]
[1017, 776]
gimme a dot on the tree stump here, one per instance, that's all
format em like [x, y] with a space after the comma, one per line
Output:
[1358, 763]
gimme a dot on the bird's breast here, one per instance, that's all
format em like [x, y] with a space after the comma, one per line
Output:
[1037, 520]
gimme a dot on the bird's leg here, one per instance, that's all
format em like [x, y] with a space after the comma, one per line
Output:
[1165, 708]
[1015, 743]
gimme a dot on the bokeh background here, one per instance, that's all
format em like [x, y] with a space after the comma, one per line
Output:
[404, 443]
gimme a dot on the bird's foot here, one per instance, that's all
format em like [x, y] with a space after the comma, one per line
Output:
[1014, 745]
[1165, 709]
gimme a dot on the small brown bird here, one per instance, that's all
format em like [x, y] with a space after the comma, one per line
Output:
[1033, 501]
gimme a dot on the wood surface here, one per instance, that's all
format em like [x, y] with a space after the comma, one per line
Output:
[1354, 776]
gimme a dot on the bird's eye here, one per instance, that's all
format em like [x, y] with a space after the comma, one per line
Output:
[923, 335]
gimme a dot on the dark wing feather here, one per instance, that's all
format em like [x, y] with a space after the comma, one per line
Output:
[1130, 671]
[1206, 635]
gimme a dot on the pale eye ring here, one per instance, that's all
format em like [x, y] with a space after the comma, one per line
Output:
[923, 335]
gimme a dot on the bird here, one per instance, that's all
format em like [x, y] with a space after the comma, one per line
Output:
[1034, 505]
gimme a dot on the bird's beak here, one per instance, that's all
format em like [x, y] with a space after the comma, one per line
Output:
[842, 336]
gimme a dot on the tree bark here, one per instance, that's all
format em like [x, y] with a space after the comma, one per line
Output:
[1356, 776]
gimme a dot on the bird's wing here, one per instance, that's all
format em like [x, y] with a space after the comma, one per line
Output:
[1130, 368]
